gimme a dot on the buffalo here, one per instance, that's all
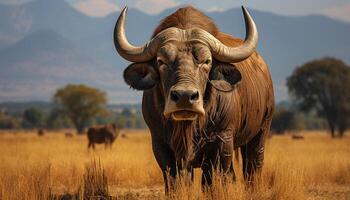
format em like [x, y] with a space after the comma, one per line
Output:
[205, 94]
[297, 137]
[41, 132]
[68, 135]
[104, 134]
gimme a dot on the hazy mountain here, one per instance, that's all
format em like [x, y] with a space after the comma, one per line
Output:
[18, 21]
[45, 44]
[33, 68]
[17, 108]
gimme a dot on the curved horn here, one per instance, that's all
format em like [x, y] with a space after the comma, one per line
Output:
[147, 51]
[237, 54]
[124, 48]
[224, 53]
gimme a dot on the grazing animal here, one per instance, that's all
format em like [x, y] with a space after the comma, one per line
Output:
[102, 135]
[68, 135]
[41, 132]
[297, 137]
[206, 93]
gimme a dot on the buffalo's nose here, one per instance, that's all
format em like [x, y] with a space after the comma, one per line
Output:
[185, 96]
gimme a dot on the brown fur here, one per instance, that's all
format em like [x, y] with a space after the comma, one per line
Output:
[181, 139]
[297, 137]
[102, 135]
[68, 135]
[186, 18]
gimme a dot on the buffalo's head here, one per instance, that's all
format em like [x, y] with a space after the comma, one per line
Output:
[182, 63]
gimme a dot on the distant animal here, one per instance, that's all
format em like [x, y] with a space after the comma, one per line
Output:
[297, 137]
[123, 135]
[104, 134]
[41, 132]
[68, 135]
[206, 93]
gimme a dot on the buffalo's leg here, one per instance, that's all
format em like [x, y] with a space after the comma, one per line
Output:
[91, 144]
[211, 158]
[253, 156]
[207, 174]
[236, 160]
[226, 157]
[167, 162]
[209, 168]
[218, 154]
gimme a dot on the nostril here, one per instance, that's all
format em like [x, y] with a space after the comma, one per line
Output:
[194, 96]
[174, 96]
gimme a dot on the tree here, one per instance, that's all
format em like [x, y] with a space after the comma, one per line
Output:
[81, 103]
[283, 120]
[33, 117]
[324, 86]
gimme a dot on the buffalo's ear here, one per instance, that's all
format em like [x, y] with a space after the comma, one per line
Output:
[224, 76]
[141, 76]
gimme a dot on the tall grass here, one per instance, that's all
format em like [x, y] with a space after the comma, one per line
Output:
[95, 182]
[52, 167]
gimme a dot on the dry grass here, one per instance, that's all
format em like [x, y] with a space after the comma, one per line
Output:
[47, 167]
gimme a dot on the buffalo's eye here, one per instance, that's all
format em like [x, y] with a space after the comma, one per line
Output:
[207, 62]
[160, 62]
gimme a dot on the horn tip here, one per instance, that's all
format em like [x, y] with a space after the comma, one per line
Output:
[125, 9]
[244, 9]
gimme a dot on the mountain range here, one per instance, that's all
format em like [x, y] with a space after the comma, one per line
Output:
[46, 44]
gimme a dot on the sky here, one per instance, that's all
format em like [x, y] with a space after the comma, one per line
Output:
[338, 9]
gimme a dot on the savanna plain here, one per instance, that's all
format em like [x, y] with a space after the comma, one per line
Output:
[54, 166]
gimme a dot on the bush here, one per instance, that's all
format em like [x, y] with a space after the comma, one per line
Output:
[8, 122]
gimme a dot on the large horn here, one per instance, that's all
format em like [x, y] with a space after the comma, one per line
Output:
[147, 51]
[224, 53]
[124, 48]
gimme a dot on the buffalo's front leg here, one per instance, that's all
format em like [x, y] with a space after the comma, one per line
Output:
[217, 154]
[91, 144]
[167, 162]
[253, 156]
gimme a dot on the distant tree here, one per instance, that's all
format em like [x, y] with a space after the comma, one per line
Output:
[126, 112]
[129, 118]
[81, 103]
[283, 120]
[9, 122]
[324, 86]
[105, 118]
[34, 117]
[58, 119]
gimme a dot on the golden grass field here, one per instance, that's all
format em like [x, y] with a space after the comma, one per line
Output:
[33, 167]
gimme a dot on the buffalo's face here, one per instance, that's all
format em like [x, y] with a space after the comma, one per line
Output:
[181, 69]
[184, 71]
